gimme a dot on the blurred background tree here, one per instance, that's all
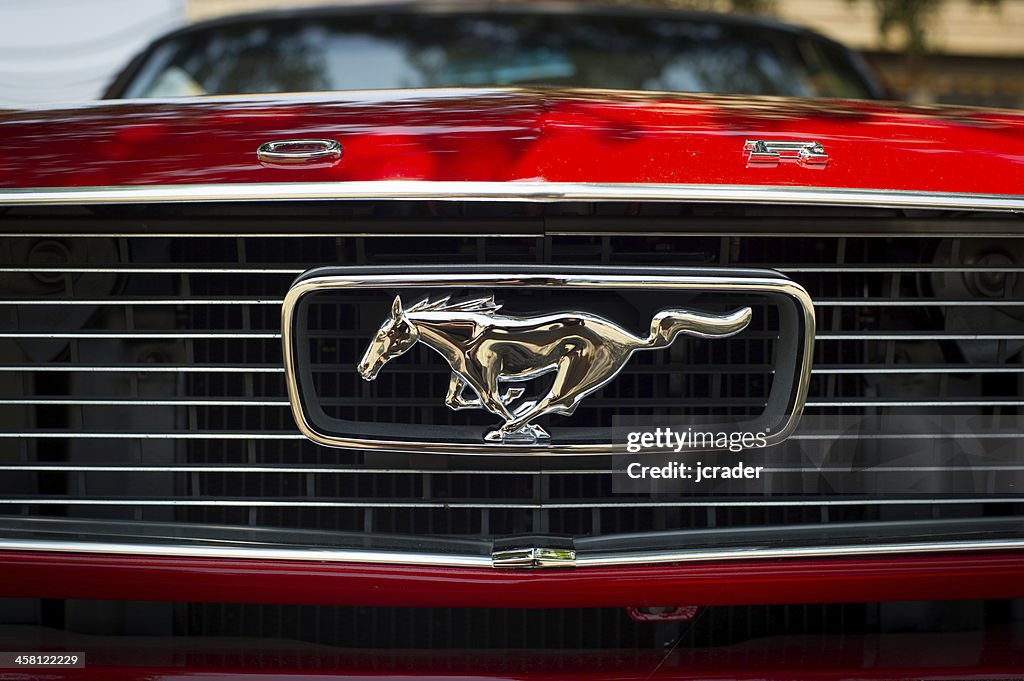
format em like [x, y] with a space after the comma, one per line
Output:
[909, 17]
[911, 45]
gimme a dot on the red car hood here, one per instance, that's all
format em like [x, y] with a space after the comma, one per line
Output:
[508, 135]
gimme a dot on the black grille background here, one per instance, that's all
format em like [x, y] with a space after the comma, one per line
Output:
[176, 405]
[227, 406]
[592, 628]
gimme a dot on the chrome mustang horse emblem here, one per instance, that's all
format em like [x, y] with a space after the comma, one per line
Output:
[486, 349]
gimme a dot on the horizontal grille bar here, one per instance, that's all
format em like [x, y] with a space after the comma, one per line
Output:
[918, 369]
[521, 226]
[297, 270]
[225, 368]
[938, 335]
[915, 403]
[144, 402]
[183, 435]
[348, 470]
[146, 368]
[914, 302]
[849, 302]
[630, 504]
[79, 269]
[144, 301]
[893, 269]
[411, 402]
[148, 335]
[222, 435]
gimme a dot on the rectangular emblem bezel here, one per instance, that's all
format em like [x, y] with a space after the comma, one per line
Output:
[795, 363]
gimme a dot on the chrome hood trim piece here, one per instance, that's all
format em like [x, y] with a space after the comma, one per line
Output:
[768, 553]
[247, 552]
[507, 191]
[502, 559]
[842, 540]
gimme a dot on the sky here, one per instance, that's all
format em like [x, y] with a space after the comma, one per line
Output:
[55, 51]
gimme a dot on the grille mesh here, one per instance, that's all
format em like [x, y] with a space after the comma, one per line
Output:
[722, 377]
[141, 374]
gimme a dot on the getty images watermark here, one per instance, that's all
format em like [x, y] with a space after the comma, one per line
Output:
[669, 440]
[664, 438]
[850, 455]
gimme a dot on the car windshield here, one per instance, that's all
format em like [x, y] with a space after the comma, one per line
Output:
[414, 50]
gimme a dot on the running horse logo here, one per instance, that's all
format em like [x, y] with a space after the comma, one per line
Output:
[486, 349]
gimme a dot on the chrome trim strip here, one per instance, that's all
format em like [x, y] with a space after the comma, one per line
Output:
[154, 368]
[582, 560]
[169, 301]
[819, 302]
[249, 552]
[281, 435]
[77, 269]
[918, 369]
[891, 269]
[180, 435]
[252, 402]
[295, 271]
[766, 553]
[555, 278]
[506, 191]
[110, 402]
[534, 506]
[936, 335]
[348, 470]
[148, 335]
[915, 403]
[862, 302]
[263, 369]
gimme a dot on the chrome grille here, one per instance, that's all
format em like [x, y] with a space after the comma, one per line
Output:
[141, 365]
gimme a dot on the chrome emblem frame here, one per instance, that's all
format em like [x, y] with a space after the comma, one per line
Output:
[548, 339]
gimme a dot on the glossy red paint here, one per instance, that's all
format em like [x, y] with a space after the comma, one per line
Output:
[147, 578]
[515, 134]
